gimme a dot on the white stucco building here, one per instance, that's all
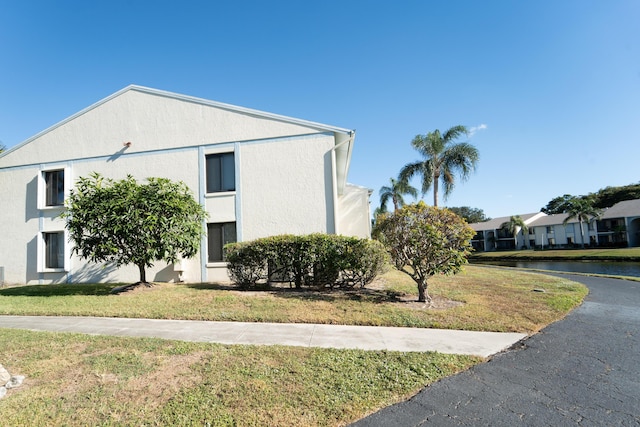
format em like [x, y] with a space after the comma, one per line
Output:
[257, 174]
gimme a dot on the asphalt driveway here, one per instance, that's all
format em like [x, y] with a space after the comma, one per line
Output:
[583, 370]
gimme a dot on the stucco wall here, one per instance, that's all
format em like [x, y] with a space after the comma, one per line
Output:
[286, 187]
[354, 217]
[150, 122]
[284, 179]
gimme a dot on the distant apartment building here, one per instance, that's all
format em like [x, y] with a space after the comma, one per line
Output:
[618, 226]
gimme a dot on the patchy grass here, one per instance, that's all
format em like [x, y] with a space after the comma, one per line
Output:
[80, 380]
[620, 254]
[492, 300]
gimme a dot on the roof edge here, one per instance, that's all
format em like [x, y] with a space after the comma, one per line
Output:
[187, 98]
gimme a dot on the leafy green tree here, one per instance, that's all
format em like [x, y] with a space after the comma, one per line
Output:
[558, 204]
[582, 210]
[377, 213]
[442, 160]
[609, 196]
[471, 215]
[514, 225]
[425, 240]
[395, 193]
[126, 222]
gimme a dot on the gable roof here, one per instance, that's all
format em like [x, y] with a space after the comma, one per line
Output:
[344, 138]
[496, 223]
[622, 209]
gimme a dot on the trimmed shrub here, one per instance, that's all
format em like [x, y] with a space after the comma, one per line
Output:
[318, 260]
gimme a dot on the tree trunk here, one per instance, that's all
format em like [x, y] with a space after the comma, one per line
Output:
[143, 273]
[581, 234]
[436, 182]
[423, 294]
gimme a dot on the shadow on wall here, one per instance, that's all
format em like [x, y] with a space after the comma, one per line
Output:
[31, 200]
[93, 273]
[32, 260]
[167, 274]
[328, 185]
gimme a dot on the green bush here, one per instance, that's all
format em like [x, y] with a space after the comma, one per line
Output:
[317, 260]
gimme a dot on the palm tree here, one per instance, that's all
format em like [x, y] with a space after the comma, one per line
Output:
[442, 159]
[395, 191]
[514, 225]
[582, 210]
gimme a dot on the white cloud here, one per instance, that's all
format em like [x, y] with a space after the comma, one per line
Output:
[475, 129]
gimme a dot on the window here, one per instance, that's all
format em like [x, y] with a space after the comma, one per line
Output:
[218, 235]
[53, 249]
[54, 187]
[549, 229]
[221, 173]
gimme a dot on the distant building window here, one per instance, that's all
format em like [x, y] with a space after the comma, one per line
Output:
[218, 235]
[221, 173]
[53, 249]
[549, 229]
[532, 230]
[54, 187]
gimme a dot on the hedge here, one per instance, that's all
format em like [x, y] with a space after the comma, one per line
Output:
[318, 260]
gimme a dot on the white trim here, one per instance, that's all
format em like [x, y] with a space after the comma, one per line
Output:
[42, 187]
[41, 252]
[202, 193]
[238, 193]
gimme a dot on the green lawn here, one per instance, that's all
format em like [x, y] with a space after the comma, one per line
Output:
[488, 300]
[79, 380]
[621, 254]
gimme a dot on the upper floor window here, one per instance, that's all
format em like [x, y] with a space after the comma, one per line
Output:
[54, 187]
[221, 172]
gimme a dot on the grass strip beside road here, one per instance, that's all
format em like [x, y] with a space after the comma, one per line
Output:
[81, 380]
[620, 254]
[488, 299]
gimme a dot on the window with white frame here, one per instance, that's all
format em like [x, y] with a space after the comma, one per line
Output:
[221, 173]
[53, 187]
[53, 249]
[218, 235]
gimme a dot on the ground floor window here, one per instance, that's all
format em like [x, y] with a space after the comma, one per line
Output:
[218, 235]
[53, 249]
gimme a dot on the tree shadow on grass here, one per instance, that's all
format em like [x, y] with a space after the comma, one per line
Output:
[307, 293]
[92, 289]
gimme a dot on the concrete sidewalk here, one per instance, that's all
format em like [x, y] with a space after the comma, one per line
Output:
[481, 344]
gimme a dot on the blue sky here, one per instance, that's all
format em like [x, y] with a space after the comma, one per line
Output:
[553, 86]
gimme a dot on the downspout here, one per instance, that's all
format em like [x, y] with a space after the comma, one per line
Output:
[334, 179]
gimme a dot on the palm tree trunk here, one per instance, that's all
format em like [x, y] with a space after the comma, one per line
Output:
[582, 233]
[436, 182]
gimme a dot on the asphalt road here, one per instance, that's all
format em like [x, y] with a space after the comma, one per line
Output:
[581, 371]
